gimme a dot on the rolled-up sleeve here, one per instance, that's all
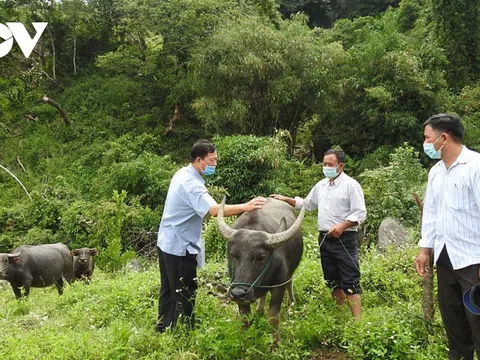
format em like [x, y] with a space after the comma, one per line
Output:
[358, 210]
[310, 202]
[428, 218]
[199, 198]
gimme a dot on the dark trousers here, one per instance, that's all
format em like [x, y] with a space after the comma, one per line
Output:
[178, 277]
[462, 327]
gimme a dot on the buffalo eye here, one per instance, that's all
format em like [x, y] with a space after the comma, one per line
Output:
[260, 258]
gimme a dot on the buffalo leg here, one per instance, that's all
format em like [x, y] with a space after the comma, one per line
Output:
[274, 313]
[16, 291]
[290, 296]
[261, 304]
[244, 312]
[59, 285]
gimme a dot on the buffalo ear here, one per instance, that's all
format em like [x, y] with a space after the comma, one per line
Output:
[15, 260]
[283, 225]
[93, 252]
[75, 252]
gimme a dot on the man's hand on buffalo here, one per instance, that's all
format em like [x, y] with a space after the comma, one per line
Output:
[288, 200]
[256, 203]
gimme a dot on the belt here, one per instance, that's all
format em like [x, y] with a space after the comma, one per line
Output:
[323, 233]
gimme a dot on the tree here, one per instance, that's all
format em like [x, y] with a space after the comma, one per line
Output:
[251, 77]
[457, 26]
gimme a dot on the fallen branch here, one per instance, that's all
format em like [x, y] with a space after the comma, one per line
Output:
[31, 117]
[16, 179]
[428, 301]
[20, 163]
[63, 113]
[176, 116]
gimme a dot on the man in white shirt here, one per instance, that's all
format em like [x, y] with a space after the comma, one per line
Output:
[451, 227]
[341, 209]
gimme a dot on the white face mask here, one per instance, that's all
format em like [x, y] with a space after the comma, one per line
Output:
[330, 171]
[429, 149]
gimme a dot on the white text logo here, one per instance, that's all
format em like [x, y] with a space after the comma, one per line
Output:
[16, 30]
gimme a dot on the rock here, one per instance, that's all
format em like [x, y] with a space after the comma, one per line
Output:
[391, 233]
[135, 265]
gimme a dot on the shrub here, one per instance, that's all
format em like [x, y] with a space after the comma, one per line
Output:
[146, 177]
[388, 189]
[113, 258]
[246, 166]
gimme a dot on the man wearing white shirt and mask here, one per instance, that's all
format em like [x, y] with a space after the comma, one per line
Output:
[341, 209]
[179, 245]
[451, 228]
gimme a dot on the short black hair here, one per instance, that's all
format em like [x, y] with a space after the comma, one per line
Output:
[448, 123]
[201, 149]
[339, 154]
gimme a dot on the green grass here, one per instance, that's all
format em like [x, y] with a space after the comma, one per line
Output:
[113, 318]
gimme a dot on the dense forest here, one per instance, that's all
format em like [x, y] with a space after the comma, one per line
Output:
[100, 116]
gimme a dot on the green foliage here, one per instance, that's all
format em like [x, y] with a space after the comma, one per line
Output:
[457, 26]
[146, 177]
[246, 166]
[388, 189]
[408, 14]
[114, 316]
[391, 84]
[113, 258]
[255, 76]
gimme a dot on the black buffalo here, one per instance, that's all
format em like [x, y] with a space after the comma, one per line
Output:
[264, 249]
[84, 263]
[36, 266]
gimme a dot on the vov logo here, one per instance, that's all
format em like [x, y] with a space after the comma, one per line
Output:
[16, 30]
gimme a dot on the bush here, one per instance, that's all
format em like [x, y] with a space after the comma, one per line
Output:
[388, 189]
[146, 177]
[246, 166]
[113, 257]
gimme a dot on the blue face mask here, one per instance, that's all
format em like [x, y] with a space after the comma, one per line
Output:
[209, 169]
[429, 149]
[330, 172]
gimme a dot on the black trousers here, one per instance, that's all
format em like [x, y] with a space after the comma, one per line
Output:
[339, 269]
[178, 278]
[462, 327]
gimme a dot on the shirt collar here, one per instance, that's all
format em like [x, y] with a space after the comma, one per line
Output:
[462, 158]
[195, 173]
[337, 180]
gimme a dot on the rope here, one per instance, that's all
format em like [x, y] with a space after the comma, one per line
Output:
[265, 268]
[6, 267]
[383, 296]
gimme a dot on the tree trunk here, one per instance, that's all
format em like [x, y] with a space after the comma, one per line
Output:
[428, 301]
[74, 56]
[54, 74]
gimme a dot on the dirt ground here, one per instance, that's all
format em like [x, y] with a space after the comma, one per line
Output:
[329, 354]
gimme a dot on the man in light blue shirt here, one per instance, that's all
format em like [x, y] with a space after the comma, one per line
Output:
[179, 243]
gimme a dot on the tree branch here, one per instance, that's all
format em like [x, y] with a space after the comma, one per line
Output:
[63, 113]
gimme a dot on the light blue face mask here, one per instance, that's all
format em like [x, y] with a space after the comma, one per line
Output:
[209, 169]
[429, 149]
[330, 172]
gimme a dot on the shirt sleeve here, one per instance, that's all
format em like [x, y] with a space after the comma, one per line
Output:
[311, 201]
[429, 217]
[358, 210]
[199, 198]
[476, 186]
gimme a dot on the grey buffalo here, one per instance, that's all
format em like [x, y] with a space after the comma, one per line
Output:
[264, 249]
[84, 263]
[36, 266]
